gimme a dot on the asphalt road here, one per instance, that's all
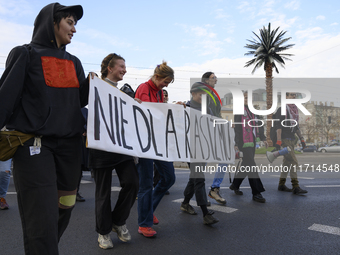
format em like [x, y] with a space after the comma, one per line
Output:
[285, 224]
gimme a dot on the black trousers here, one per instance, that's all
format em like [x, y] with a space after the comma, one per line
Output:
[46, 185]
[196, 185]
[84, 159]
[253, 176]
[129, 181]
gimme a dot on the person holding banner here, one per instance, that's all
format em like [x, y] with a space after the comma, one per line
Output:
[246, 136]
[113, 69]
[149, 198]
[42, 91]
[156, 176]
[210, 80]
[213, 101]
[196, 183]
[165, 96]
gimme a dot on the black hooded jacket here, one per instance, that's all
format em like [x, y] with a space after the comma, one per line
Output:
[43, 87]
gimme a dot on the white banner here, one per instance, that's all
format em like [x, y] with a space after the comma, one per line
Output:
[169, 132]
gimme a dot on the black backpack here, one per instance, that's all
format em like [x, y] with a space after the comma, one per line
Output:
[127, 89]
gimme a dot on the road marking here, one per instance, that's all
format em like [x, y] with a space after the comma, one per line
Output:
[87, 173]
[82, 181]
[306, 178]
[322, 186]
[325, 229]
[219, 208]
[246, 187]
[85, 182]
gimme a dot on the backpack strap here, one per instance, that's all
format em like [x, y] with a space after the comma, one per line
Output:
[159, 94]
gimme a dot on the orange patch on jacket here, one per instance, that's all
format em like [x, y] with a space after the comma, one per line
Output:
[59, 73]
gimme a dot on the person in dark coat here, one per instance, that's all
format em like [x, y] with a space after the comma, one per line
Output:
[246, 137]
[103, 163]
[196, 183]
[42, 91]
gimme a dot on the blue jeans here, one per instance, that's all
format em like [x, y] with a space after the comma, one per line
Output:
[149, 199]
[219, 175]
[5, 174]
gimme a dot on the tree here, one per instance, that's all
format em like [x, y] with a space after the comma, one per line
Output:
[266, 49]
[327, 121]
[310, 130]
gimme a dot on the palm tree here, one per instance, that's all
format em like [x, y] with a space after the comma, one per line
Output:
[266, 49]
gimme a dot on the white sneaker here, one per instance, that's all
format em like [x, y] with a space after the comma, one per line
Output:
[105, 241]
[122, 232]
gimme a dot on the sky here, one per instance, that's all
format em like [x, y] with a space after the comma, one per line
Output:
[192, 36]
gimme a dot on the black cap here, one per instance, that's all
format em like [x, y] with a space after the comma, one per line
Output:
[77, 9]
[198, 86]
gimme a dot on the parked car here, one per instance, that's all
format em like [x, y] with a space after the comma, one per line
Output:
[335, 147]
[310, 148]
[298, 149]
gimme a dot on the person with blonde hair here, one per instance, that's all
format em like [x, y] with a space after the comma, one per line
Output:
[112, 70]
[149, 198]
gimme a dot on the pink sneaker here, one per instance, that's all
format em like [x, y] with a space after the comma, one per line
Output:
[146, 231]
[155, 220]
[3, 204]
